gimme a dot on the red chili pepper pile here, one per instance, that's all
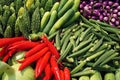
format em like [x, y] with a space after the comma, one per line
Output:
[42, 52]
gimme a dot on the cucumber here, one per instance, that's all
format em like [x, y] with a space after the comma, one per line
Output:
[51, 22]
[48, 5]
[44, 20]
[96, 76]
[62, 3]
[75, 7]
[109, 76]
[84, 78]
[75, 17]
[65, 8]
[35, 24]
[60, 22]
[117, 74]
[55, 7]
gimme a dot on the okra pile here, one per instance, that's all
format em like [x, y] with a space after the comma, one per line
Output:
[59, 40]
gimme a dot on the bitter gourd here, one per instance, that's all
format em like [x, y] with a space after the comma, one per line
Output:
[35, 25]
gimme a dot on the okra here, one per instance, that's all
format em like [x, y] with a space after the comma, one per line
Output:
[100, 23]
[109, 58]
[57, 40]
[52, 35]
[95, 55]
[78, 67]
[103, 57]
[72, 41]
[86, 32]
[83, 73]
[68, 48]
[81, 45]
[97, 45]
[81, 51]
[65, 43]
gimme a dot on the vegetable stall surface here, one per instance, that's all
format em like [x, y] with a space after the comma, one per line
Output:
[107, 11]
[41, 56]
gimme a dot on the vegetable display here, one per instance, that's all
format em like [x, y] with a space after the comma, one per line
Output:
[59, 40]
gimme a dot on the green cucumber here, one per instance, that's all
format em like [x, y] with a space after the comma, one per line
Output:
[75, 7]
[55, 6]
[75, 17]
[62, 3]
[61, 21]
[44, 20]
[65, 8]
[51, 22]
[48, 5]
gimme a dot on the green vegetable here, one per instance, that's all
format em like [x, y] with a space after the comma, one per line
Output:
[45, 20]
[117, 74]
[24, 22]
[75, 7]
[11, 20]
[109, 76]
[35, 25]
[96, 76]
[18, 4]
[65, 8]
[83, 73]
[8, 32]
[62, 3]
[55, 6]
[21, 11]
[60, 22]
[48, 5]
[51, 22]
[84, 78]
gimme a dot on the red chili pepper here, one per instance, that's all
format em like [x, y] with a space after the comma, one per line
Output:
[48, 72]
[35, 49]
[24, 45]
[33, 58]
[55, 68]
[51, 47]
[3, 51]
[9, 54]
[62, 75]
[6, 41]
[41, 64]
[67, 73]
